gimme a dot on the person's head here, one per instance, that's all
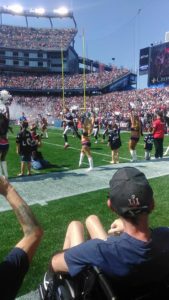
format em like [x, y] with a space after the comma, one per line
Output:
[33, 127]
[136, 116]
[66, 110]
[24, 125]
[114, 126]
[130, 193]
[85, 133]
[159, 115]
[150, 129]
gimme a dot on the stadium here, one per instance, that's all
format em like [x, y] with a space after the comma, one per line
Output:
[43, 75]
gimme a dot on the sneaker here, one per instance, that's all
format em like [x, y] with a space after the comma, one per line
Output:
[66, 146]
[96, 142]
[20, 175]
[133, 160]
[46, 287]
[89, 169]
[112, 162]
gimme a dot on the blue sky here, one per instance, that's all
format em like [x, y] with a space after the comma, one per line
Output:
[112, 28]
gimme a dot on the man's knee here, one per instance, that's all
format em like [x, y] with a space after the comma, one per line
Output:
[90, 220]
[75, 224]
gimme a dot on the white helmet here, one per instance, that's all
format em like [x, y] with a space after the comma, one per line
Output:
[5, 96]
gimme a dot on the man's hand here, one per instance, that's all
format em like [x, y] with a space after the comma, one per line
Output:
[116, 227]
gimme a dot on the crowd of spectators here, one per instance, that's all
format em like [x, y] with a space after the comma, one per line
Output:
[35, 38]
[116, 105]
[56, 81]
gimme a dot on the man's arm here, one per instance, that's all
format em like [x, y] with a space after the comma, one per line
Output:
[31, 229]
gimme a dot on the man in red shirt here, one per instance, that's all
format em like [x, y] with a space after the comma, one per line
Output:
[158, 134]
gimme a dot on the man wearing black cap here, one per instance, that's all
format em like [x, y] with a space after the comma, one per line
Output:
[131, 253]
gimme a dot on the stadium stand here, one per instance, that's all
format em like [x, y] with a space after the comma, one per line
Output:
[54, 81]
[35, 38]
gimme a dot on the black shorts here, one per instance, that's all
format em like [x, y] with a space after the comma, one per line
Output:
[26, 157]
[12, 272]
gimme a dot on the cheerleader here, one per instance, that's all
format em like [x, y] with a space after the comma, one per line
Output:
[44, 126]
[85, 150]
[136, 131]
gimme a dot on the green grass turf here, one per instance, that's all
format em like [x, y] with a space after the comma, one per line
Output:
[55, 216]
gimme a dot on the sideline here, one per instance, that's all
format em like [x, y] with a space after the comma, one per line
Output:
[43, 188]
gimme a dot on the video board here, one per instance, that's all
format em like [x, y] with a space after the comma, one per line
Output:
[144, 61]
[159, 65]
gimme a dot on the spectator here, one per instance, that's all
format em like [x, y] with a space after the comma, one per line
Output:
[24, 148]
[158, 134]
[114, 141]
[22, 119]
[148, 143]
[16, 264]
[133, 258]
[96, 128]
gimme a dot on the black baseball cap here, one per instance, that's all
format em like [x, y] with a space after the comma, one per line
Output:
[130, 192]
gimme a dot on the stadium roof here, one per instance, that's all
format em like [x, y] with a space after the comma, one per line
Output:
[14, 10]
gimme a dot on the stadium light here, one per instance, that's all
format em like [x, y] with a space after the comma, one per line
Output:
[40, 11]
[63, 11]
[16, 8]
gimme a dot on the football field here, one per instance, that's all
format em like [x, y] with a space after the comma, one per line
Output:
[65, 192]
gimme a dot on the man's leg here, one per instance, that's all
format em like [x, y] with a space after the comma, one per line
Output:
[160, 147]
[22, 167]
[74, 235]
[156, 146]
[4, 168]
[95, 228]
[65, 136]
[3, 161]
[29, 167]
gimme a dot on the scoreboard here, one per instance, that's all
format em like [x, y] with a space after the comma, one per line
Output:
[159, 65]
[154, 61]
[144, 60]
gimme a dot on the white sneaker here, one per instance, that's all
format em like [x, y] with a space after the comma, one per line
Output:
[95, 142]
[89, 169]
[66, 146]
